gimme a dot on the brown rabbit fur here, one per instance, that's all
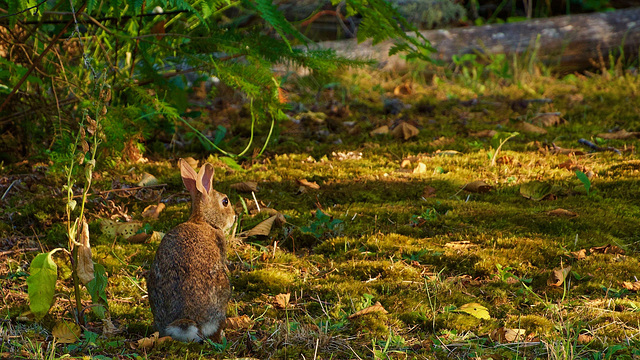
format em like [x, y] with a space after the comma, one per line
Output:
[188, 284]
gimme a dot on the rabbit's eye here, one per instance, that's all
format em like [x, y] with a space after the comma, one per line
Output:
[225, 202]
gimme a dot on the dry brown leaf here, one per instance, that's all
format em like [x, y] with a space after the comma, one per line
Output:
[459, 245]
[312, 185]
[428, 192]
[530, 128]
[66, 332]
[550, 119]
[405, 163]
[108, 329]
[282, 300]
[192, 162]
[442, 141]
[558, 276]
[484, 133]
[477, 186]
[585, 338]
[607, 249]
[245, 186]
[149, 342]
[375, 308]
[153, 211]
[405, 131]
[403, 89]
[420, 169]
[148, 180]
[633, 286]
[379, 131]
[238, 323]
[579, 255]
[264, 228]
[85, 263]
[139, 238]
[505, 160]
[619, 135]
[504, 335]
[562, 213]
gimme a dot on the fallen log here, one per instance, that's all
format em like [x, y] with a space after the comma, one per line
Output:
[570, 42]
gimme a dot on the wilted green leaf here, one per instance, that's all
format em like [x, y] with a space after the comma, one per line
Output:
[584, 179]
[42, 283]
[96, 288]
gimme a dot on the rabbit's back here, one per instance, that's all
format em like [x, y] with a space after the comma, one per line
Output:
[188, 283]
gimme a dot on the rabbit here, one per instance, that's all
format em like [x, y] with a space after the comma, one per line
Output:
[188, 285]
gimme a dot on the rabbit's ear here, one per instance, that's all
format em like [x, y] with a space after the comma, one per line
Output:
[189, 177]
[205, 178]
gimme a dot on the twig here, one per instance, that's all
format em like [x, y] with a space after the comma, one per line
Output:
[125, 189]
[23, 11]
[599, 148]
[10, 186]
[9, 252]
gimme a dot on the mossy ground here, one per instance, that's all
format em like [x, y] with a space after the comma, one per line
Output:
[396, 243]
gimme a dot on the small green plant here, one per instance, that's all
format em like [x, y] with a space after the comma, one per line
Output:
[494, 155]
[584, 179]
[324, 226]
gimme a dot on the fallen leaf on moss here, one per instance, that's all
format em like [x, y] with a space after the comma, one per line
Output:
[459, 245]
[108, 329]
[504, 335]
[619, 135]
[562, 213]
[535, 190]
[530, 128]
[148, 180]
[379, 131]
[127, 229]
[405, 131]
[420, 169]
[476, 310]
[580, 254]
[153, 211]
[149, 342]
[428, 192]
[309, 184]
[375, 308]
[484, 133]
[607, 249]
[139, 238]
[550, 119]
[66, 332]
[245, 186]
[558, 276]
[282, 300]
[264, 228]
[477, 186]
[633, 286]
[403, 89]
[238, 323]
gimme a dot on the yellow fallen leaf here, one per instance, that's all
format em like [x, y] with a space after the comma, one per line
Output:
[580, 254]
[246, 186]
[282, 300]
[238, 323]
[112, 228]
[379, 131]
[375, 308]
[558, 276]
[585, 338]
[633, 286]
[148, 180]
[153, 211]
[403, 89]
[66, 332]
[405, 131]
[192, 162]
[458, 245]
[149, 342]
[562, 213]
[420, 169]
[309, 184]
[476, 310]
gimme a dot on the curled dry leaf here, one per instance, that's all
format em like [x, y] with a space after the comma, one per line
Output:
[607, 249]
[238, 323]
[245, 186]
[108, 329]
[459, 245]
[619, 135]
[379, 131]
[149, 342]
[264, 228]
[477, 186]
[562, 213]
[375, 308]
[191, 161]
[148, 180]
[504, 335]
[85, 263]
[282, 300]
[585, 338]
[549, 119]
[153, 211]
[405, 131]
[309, 184]
[428, 192]
[420, 169]
[633, 286]
[403, 89]
[558, 276]
[484, 133]
[476, 310]
[66, 332]
[579, 255]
